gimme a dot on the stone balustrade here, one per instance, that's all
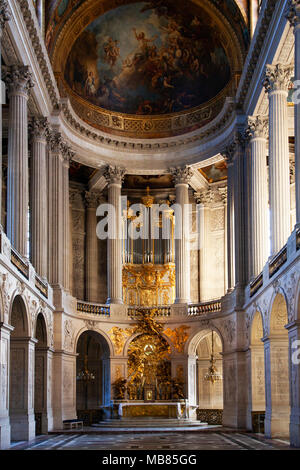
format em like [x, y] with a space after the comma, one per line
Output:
[204, 308]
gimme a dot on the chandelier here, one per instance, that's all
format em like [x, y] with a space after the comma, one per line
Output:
[85, 375]
[212, 375]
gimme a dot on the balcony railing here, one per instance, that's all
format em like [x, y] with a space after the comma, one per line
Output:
[256, 284]
[41, 285]
[298, 239]
[278, 260]
[204, 308]
[160, 311]
[19, 263]
[95, 309]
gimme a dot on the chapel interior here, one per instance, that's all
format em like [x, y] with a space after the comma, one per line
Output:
[149, 214]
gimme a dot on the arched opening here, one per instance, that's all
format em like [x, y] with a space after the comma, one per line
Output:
[277, 372]
[92, 377]
[257, 374]
[21, 375]
[209, 378]
[40, 383]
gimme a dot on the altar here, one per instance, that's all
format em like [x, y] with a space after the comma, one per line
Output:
[159, 409]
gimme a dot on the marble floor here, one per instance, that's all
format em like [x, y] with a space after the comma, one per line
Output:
[178, 441]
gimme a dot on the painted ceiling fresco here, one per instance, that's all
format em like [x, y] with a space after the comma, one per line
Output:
[148, 58]
[215, 172]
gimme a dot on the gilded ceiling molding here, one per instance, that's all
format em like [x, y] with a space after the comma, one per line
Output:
[212, 129]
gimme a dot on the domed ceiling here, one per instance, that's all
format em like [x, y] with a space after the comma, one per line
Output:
[146, 69]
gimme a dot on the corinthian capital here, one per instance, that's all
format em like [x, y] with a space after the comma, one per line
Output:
[257, 127]
[278, 77]
[114, 174]
[181, 175]
[18, 79]
[57, 145]
[4, 14]
[39, 128]
[212, 196]
[92, 199]
[293, 12]
[228, 152]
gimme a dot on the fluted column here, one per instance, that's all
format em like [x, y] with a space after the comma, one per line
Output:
[38, 195]
[182, 177]
[240, 211]
[19, 81]
[276, 84]
[67, 157]
[294, 18]
[114, 176]
[92, 200]
[58, 206]
[228, 154]
[4, 17]
[259, 227]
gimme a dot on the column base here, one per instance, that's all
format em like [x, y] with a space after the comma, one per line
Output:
[182, 301]
[4, 433]
[22, 427]
[114, 301]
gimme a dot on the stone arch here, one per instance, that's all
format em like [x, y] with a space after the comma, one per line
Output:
[135, 335]
[96, 330]
[18, 315]
[277, 369]
[93, 356]
[41, 376]
[41, 317]
[21, 371]
[193, 341]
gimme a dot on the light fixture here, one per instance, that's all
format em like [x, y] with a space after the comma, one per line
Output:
[212, 375]
[85, 375]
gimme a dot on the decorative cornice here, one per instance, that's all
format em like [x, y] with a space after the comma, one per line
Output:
[258, 127]
[257, 48]
[39, 127]
[39, 48]
[4, 14]
[114, 174]
[213, 128]
[278, 77]
[293, 12]
[18, 79]
[181, 175]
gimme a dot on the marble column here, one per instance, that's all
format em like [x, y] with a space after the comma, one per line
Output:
[67, 157]
[294, 18]
[259, 227]
[59, 212]
[228, 154]
[182, 177]
[240, 211]
[4, 17]
[114, 177]
[19, 81]
[38, 195]
[276, 84]
[92, 200]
